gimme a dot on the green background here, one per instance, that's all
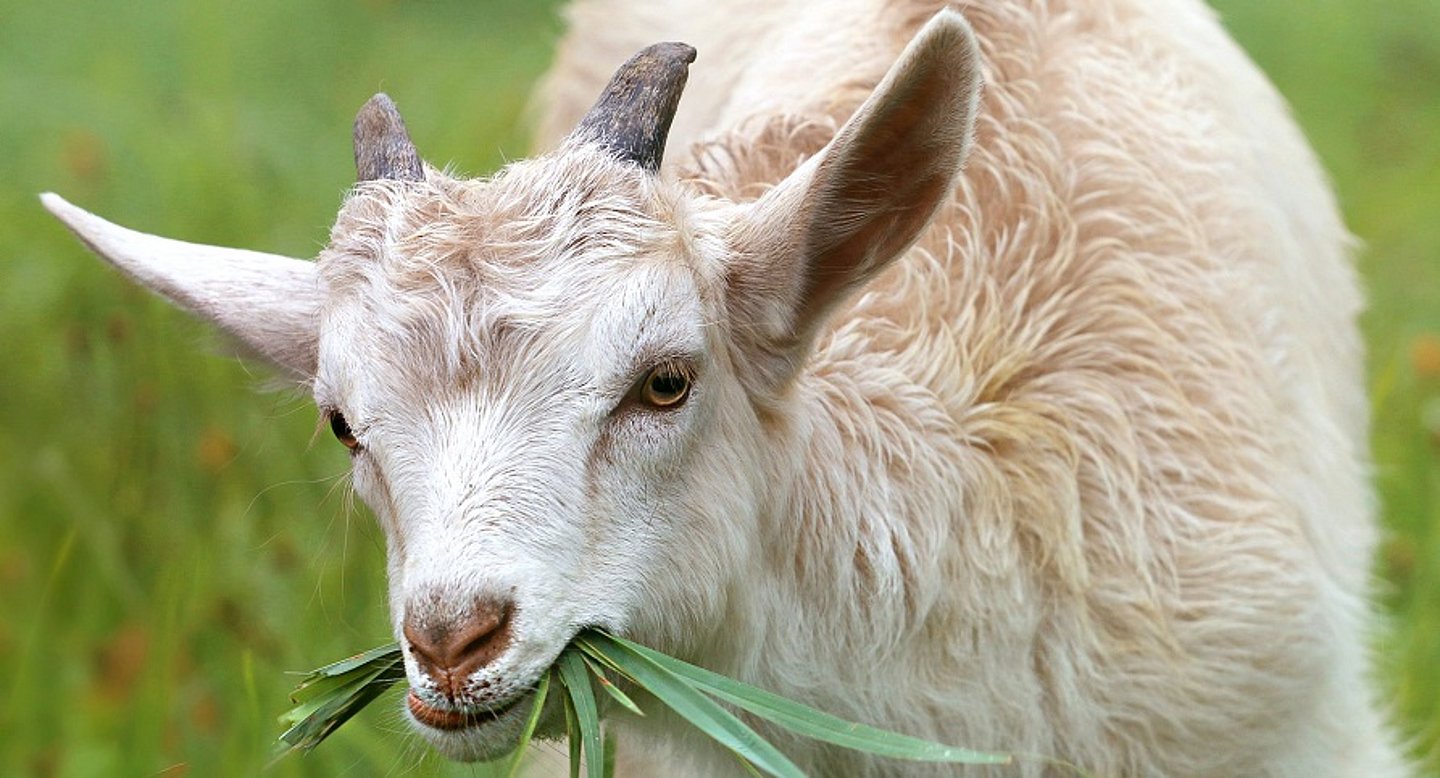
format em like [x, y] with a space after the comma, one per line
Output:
[173, 539]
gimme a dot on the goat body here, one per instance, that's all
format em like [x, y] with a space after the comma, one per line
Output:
[1064, 455]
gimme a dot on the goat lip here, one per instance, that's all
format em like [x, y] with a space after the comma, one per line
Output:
[452, 720]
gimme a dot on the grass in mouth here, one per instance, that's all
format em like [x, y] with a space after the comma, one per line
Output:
[331, 695]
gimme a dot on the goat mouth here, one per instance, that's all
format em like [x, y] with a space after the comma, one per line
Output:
[453, 720]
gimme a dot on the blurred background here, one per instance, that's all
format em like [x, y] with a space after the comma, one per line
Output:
[174, 539]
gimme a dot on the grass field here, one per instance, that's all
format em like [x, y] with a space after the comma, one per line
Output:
[171, 542]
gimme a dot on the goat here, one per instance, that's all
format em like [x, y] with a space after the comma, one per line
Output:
[1062, 454]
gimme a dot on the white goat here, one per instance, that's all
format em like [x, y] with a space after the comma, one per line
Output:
[1064, 456]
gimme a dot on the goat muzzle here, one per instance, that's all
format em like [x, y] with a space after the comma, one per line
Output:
[449, 651]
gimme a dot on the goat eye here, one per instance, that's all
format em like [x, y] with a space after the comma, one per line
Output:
[341, 428]
[665, 386]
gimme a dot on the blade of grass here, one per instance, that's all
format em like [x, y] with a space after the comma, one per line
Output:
[572, 736]
[807, 721]
[599, 656]
[337, 708]
[381, 667]
[530, 723]
[329, 696]
[379, 655]
[701, 711]
[577, 682]
[311, 700]
[610, 688]
[323, 687]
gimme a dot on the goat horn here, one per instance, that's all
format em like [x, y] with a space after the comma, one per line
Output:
[382, 146]
[632, 117]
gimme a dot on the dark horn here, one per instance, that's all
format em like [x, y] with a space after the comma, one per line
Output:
[382, 146]
[632, 117]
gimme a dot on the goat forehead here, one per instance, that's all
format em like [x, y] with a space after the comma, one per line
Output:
[505, 295]
[522, 229]
[590, 316]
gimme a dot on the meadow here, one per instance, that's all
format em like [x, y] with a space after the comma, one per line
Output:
[174, 538]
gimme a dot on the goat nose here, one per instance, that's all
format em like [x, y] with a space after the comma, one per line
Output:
[450, 650]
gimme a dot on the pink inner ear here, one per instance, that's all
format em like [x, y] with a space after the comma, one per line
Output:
[887, 171]
[840, 219]
[864, 233]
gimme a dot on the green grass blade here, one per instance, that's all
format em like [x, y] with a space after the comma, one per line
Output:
[577, 683]
[572, 736]
[331, 695]
[591, 652]
[704, 713]
[530, 723]
[310, 700]
[610, 688]
[812, 723]
[329, 712]
[379, 671]
[381, 655]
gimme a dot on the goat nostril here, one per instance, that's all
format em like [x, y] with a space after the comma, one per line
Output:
[449, 650]
[421, 646]
[483, 637]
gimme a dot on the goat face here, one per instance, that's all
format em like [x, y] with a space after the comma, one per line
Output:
[568, 390]
[543, 417]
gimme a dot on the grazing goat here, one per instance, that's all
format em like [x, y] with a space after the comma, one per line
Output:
[1062, 455]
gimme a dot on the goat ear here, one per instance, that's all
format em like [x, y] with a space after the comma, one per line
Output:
[856, 206]
[267, 302]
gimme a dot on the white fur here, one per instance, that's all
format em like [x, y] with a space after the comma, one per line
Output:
[1080, 474]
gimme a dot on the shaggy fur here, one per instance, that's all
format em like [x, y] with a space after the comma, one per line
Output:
[1103, 491]
[1079, 474]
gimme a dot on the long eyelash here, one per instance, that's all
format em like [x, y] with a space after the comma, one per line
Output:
[678, 366]
[322, 423]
